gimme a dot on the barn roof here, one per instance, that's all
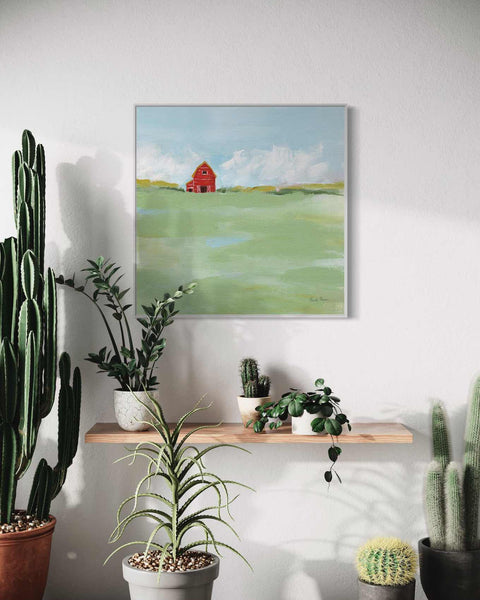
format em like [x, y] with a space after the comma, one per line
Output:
[204, 164]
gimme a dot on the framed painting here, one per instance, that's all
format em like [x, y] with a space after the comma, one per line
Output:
[248, 201]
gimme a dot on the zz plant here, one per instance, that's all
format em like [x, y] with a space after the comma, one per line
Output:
[295, 403]
[28, 349]
[178, 512]
[132, 367]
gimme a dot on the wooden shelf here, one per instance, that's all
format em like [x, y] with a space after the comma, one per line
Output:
[235, 433]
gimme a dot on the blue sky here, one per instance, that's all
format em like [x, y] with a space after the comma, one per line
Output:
[245, 145]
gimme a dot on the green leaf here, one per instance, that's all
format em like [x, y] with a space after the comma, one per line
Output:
[328, 476]
[319, 383]
[333, 427]
[318, 425]
[295, 408]
[332, 454]
[341, 418]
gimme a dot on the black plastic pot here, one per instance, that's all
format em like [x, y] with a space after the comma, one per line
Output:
[449, 575]
[368, 591]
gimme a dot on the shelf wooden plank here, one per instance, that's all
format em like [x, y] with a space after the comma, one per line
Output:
[362, 433]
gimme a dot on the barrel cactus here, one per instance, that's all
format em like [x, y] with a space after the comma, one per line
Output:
[386, 561]
[254, 384]
[28, 347]
[452, 505]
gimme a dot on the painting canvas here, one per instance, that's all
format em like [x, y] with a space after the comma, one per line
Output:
[248, 201]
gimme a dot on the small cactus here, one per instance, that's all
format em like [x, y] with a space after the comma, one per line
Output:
[471, 476]
[440, 436]
[387, 562]
[254, 386]
[435, 505]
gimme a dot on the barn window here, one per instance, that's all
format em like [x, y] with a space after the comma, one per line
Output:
[204, 172]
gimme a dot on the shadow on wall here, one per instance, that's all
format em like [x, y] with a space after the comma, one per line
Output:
[96, 223]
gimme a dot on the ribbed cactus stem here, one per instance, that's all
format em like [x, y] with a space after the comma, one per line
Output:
[251, 389]
[454, 510]
[248, 370]
[387, 562]
[471, 477]
[264, 386]
[435, 505]
[440, 435]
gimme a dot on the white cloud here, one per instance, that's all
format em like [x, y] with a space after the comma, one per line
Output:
[280, 165]
[156, 165]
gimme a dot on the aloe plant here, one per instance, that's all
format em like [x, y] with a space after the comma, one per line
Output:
[28, 347]
[175, 513]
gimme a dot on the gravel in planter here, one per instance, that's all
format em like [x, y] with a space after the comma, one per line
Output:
[22, 522]
[189, 561]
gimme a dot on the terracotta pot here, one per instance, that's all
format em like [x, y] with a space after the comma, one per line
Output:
[247, 408]
[449, 575]
[24, 560]
[186, 585]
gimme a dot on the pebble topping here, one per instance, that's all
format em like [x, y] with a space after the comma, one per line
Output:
[22, 522]
[189, 561]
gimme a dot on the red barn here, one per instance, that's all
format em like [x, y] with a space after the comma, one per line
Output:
[203, 179]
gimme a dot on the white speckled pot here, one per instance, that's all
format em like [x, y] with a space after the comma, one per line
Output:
[247, 407]
[129, 412]
[303, 425]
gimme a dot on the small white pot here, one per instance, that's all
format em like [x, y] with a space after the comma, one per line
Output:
[247, 407]
[129, 412]
[303, 425]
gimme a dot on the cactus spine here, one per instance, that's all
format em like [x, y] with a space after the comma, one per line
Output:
[28, 350]
[471, 475]
[435, 505]
[387, 562]
[254, 385]
[452, 508]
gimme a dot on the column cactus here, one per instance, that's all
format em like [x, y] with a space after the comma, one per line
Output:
[28, 347]
[452, 508]
[254, 385]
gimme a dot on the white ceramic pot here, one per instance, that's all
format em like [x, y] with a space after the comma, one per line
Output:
[184, 585]
[129, 412]
[303, 425]
[247, 407]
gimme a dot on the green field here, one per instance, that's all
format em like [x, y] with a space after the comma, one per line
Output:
[251, 252]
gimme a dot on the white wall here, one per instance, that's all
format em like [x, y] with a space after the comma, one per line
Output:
[72, 72]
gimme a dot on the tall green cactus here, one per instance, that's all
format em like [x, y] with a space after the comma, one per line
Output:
[452, 511]
[254, 385]
[471, 475]
[28, 347]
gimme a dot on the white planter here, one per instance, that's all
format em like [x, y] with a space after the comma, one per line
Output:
[247, 407]
[186, 585]
[303, 425]
[129, 412]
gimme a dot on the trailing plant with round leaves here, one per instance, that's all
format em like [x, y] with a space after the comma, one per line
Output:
[387, 562]
[294, 403]
[181, 469]
[132, 367]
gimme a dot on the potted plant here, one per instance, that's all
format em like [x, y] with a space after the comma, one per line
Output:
[133, 368]
[28, 373]
[450, 556]
[386, 570]
[170, 567]
[256, 390]
[313, 413]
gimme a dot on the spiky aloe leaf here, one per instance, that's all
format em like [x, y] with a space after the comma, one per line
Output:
[28, 148]
[50, 343]
[8, 382]
[8, 449]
